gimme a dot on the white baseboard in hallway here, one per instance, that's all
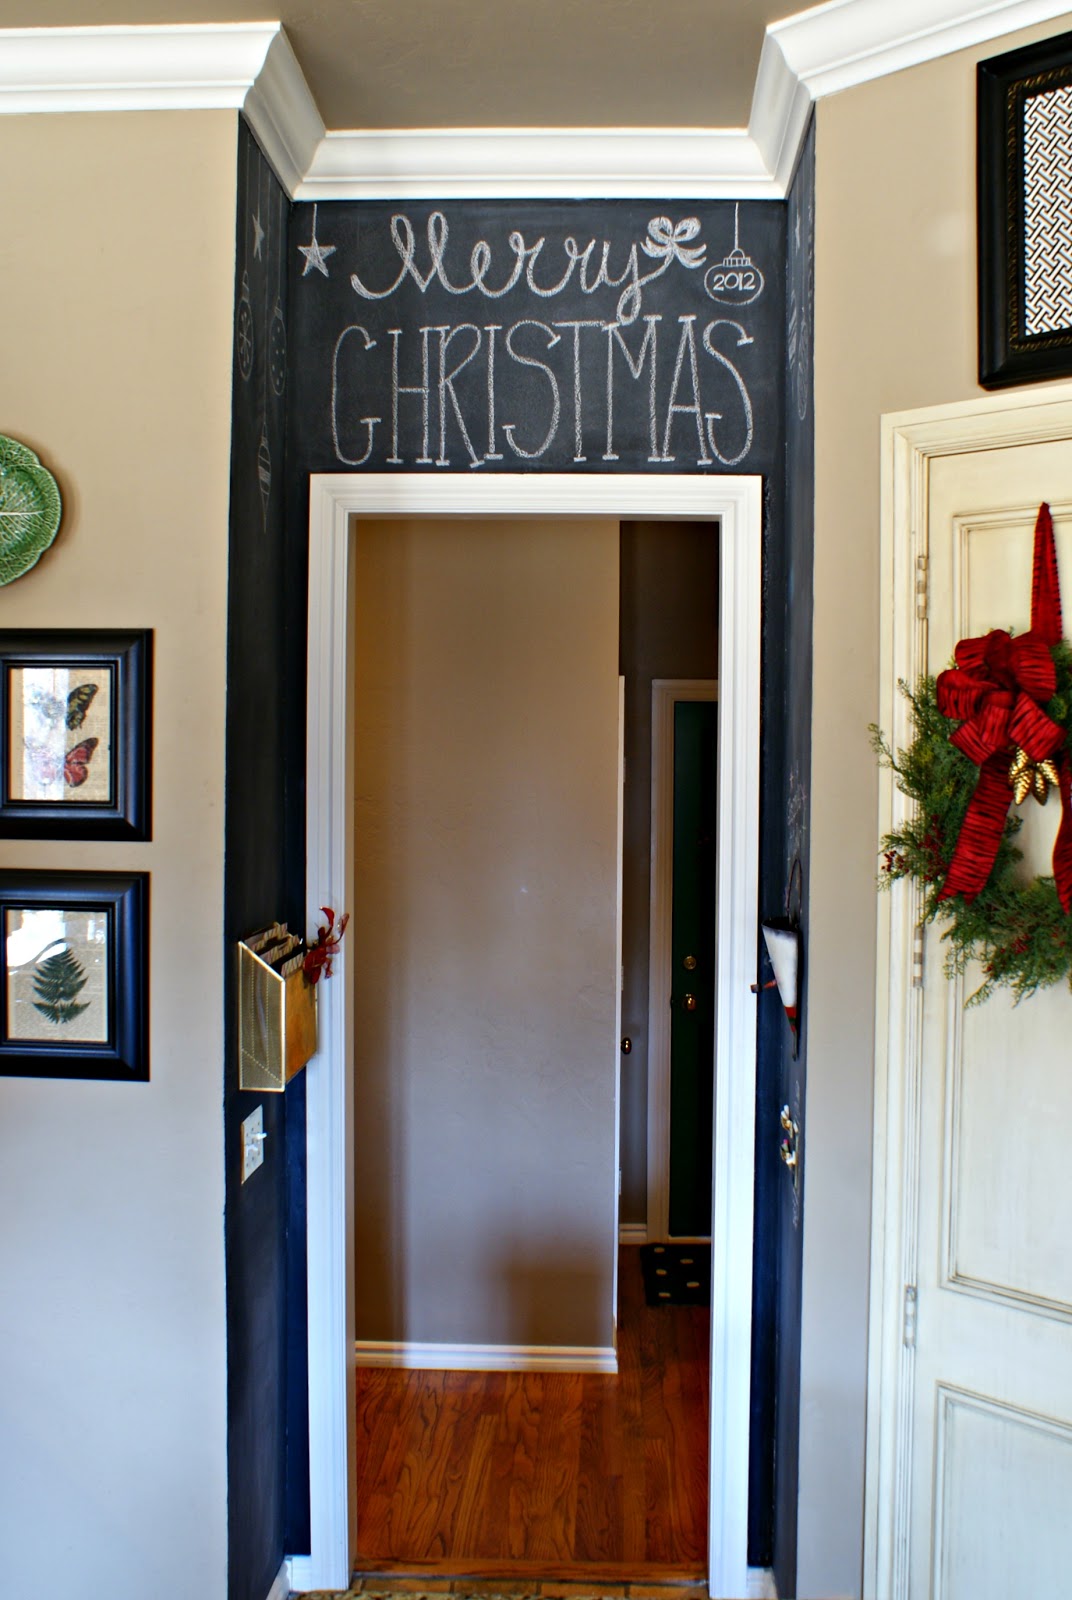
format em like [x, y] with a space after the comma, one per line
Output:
[761, 1584]
[633, 1233]
[484, 1357]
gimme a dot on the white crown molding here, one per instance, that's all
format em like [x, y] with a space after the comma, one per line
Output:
[195, 67]
[251, 65]
[284, 115]
[846, 42]
[519, 163]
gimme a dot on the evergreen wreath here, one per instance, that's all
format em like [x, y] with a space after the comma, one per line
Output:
[994, 728]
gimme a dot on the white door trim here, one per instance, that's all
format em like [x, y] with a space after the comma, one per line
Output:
[665, 692]
[910, 441]
[334, 501]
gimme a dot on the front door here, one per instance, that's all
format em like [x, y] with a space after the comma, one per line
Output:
[990, 1429]
[692, 983]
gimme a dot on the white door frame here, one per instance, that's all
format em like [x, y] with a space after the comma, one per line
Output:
[334, 501]
[665, 693]
[910, 441]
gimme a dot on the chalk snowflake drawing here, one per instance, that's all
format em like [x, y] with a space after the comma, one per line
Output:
[315, 253]
[735, 280]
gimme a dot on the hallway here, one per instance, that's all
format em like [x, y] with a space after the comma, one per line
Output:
[553, 1475]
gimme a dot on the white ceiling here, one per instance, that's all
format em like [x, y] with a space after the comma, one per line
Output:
[498, 63]
[451, 98]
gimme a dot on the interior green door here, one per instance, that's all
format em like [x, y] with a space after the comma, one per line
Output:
[692, 984]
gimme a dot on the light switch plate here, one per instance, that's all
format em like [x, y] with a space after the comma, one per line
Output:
[252, 1142]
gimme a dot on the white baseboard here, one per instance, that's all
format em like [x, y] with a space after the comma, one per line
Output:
[633, 1233]
[281, 1587]
[484, 1357]
[761, 1584]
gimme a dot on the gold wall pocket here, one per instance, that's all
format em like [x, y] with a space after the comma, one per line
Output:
[276, 1009]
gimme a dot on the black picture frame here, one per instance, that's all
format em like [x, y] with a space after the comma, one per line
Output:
[103, 999]
[1010, 350]
[106, 792]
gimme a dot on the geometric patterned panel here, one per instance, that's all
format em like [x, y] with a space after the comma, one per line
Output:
[1048, 212]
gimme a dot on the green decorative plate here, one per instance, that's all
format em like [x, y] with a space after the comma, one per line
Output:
[30, 509]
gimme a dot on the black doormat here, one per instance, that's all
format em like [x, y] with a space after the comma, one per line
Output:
[676, 1274]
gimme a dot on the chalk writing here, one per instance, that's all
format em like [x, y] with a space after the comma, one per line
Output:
[667, 243]
[444, 380]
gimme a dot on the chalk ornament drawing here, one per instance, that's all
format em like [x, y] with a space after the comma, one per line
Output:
[244, 330]
[316, 254]
[735, 280]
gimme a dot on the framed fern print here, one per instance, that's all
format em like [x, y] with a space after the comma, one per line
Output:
[74, 975]
[74, 735]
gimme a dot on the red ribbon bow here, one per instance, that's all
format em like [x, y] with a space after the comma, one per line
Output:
[997, 689]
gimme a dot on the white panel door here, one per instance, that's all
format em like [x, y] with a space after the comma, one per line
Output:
[991, 1432]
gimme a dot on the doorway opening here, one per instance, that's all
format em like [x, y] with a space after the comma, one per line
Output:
[735, 504]
[516, 1414]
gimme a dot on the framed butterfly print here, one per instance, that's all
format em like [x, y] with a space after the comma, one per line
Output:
[75, 735]
[74, 975]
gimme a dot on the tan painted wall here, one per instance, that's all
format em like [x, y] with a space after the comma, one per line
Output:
[116, 268]
[483, 938]
[895, 328]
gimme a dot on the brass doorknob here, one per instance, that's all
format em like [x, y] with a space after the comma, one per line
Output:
[627, 1047]
[689, 1002]
[689, 963]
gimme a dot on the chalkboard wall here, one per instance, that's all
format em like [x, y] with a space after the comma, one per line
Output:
[566, 336]
[265, 1289]
[524, 337]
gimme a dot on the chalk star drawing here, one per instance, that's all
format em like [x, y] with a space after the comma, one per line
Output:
[258, 233]
[315, 253]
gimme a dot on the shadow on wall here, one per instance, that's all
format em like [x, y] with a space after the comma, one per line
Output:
[546, 1298]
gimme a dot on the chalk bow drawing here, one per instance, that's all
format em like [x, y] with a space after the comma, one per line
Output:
[667, 242]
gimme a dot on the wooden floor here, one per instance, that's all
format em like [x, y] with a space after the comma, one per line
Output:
[554, 1475]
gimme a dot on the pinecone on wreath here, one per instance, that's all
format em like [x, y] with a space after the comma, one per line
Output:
[57, 983]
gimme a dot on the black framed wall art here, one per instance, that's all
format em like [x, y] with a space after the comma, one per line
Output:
[74, 972]
[75, 712]
[1024, 189]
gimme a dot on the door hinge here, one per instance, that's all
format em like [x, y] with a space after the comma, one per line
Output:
[908, 1327]
[619, 1183]
[917, 956]
[921, 588]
